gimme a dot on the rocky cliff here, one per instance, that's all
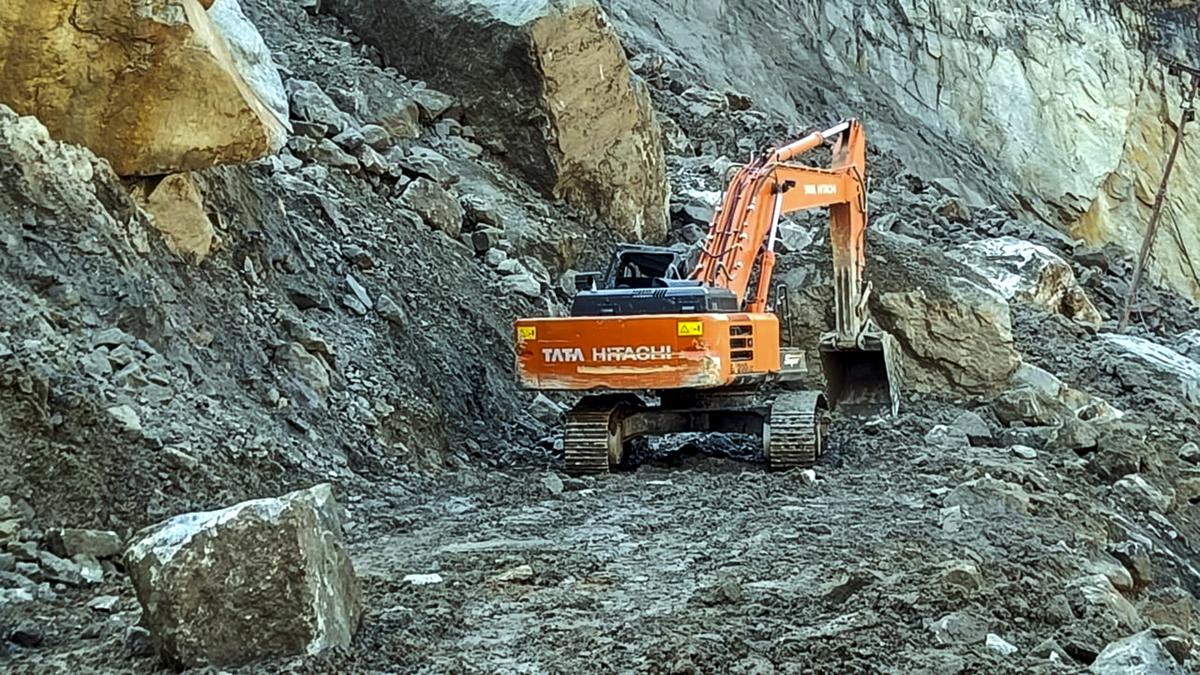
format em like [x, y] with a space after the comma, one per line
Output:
[340, 311]
[1061, 110]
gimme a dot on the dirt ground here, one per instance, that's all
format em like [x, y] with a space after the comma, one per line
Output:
[698, 562]
[713, 566]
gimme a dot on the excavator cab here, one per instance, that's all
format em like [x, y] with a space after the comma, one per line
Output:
[636, 266]
[647, 280]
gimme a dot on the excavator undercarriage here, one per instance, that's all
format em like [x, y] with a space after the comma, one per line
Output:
[793, 425]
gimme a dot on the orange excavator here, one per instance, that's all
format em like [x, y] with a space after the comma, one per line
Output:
[699, 336]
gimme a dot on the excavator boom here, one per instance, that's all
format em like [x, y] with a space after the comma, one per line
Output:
[742, 239]
[740, 251]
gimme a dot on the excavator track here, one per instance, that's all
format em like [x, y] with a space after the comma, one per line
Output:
[589, 440]
[795, 435]
[793, 430]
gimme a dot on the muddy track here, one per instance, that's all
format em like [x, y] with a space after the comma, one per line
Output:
[699, 564]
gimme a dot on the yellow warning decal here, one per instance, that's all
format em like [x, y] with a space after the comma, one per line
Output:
[690, 328]
[526, 333]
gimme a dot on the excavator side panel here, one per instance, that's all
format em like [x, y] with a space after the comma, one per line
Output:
[646, 352]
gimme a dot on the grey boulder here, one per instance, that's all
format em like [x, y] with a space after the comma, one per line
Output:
[436, 206]
[1138, 654]
[262, 579]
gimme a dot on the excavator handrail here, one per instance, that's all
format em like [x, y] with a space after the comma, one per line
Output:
[725, 251]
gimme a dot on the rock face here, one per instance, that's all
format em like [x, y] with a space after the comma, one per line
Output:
[1001, 97]
[547, 79]
[264, 578]
[1025, 272]
[152, 87]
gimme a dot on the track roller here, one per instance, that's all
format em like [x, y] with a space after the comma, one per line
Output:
[592, 442]
[795, 435]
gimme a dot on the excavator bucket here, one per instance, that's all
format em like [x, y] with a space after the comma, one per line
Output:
[859, 380]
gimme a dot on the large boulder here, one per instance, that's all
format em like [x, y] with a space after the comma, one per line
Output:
[1022, 271]
[546, 83]
[1161, 365]
[154, 87]
[1138, 654]
[957, 336]
[947, 330]
[265, 578]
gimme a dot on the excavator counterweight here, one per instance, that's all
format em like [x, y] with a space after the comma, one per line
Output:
[699, 335]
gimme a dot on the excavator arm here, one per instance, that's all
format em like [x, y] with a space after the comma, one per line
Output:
[739, 251]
